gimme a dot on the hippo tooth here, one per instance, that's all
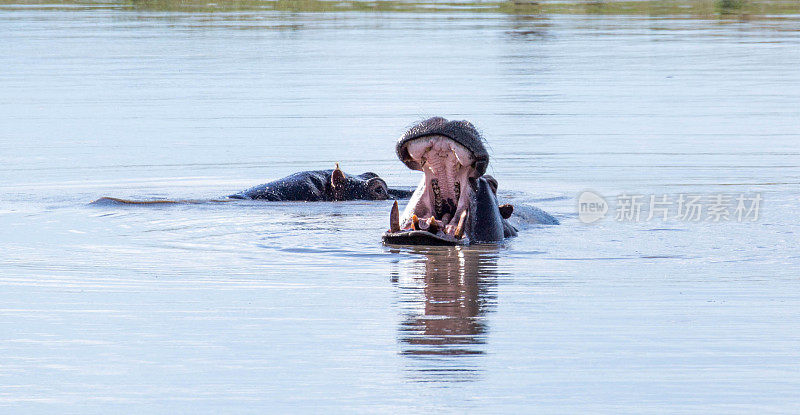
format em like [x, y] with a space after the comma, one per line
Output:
[394, 219]
[433, 225]
[459, 233]
[415, 222]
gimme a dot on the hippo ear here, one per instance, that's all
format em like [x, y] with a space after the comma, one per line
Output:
[337, 178]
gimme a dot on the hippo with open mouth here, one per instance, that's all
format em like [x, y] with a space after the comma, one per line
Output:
[455, 203]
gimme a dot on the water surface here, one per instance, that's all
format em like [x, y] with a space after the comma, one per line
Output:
[250, 308]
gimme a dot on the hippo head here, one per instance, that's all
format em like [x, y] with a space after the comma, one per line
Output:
[366, 186]
[455, 203]
[323, 185]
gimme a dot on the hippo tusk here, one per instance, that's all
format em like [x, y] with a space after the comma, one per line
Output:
[459, 233]
[433, 225]
[415, 222]
[394, 219]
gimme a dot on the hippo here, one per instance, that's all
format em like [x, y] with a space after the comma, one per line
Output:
[455, 202]
[309, 186]
[324, 185]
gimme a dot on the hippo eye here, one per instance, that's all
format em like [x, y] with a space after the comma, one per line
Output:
[378, 191]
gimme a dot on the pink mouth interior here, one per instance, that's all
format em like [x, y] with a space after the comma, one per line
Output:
[444, 192]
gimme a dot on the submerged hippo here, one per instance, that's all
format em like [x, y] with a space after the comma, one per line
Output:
[455, 203]
[308, 186]
[324, 185]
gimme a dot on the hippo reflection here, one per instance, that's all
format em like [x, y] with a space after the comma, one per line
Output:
[449, 292]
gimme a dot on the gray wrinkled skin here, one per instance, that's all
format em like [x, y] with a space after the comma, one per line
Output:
[315, 186]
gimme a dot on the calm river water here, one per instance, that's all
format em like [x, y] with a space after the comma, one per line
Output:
[297, 307]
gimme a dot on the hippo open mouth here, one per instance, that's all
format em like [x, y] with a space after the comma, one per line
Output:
[443, 197]
[454, 203]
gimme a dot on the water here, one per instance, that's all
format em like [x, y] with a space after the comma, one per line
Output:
[297, 307]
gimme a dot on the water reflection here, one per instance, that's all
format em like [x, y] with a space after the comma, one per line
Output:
[721, 9]
[527, 27]
[445, 294]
